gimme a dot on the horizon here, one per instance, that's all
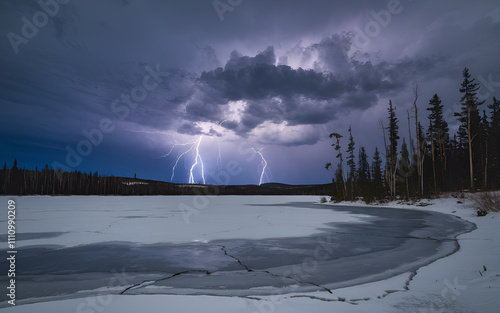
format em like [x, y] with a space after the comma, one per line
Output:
[21, 167]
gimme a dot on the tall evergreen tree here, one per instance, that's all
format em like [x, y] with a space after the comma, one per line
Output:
[494, 143]
[470, 120]
[484, 137]
[433, 154]
[339, 173]
[393, 147]
[351, 164]
[440, 134]
[363, 173]
[377, 181]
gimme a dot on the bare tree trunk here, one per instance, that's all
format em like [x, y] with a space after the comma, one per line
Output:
[433, 159]
[486, 168]
[470, 150]
[422, 159]
[443, 166]
[419, 156]
[407, 186]
[394, 180]
[412, 148]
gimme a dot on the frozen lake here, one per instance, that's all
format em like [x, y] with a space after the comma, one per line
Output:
[230, 246]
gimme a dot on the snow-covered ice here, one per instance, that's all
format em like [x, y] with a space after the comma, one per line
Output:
[455, 283]
[159, 219]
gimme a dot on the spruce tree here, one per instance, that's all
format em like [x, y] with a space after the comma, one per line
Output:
[339, 173]
[393, 147]
[377, 181]
[484, 137]
[433, 154]
[470, 120]
[351, 164]
[440, 134]
[494, 143]
[363, 173]
[423, 153]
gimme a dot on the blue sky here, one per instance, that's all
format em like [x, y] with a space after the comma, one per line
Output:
[126, 87]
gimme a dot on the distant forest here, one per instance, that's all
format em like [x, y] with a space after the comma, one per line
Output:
[17, 181]
[430, 161]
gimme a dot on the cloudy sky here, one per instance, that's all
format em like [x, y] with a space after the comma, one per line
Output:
[129, 86]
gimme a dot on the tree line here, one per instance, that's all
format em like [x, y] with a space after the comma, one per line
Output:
[431, 161]
[47, 181]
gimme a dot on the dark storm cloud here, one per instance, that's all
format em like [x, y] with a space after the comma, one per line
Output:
[237, 61]
[190, 129]
[92, 52]
[280, 93]
[261, 80]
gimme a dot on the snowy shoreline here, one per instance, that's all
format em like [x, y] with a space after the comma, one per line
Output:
[454, 283]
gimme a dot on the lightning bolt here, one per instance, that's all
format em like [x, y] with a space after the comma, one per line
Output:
[192, 146]
[264, 165]
[179, 145]
[178, 158]
[197, 157]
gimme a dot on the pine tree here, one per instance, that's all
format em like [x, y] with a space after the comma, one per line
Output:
[377, 181]
[423, 152]
[484, 142]
[363, 173]
[431, 140]
[469, 117]
[339, 173]
[440, 133]
[494, 143]
[351, 163]
[393, 147]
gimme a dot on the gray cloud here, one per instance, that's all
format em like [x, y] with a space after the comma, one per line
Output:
[280, 93]
[190, 129]
[91, 52]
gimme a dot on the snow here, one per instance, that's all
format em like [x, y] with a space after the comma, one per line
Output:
[456, 283]
[159, 219]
